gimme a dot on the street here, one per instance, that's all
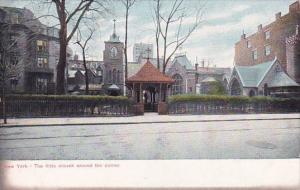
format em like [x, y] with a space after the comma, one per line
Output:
[254, 139]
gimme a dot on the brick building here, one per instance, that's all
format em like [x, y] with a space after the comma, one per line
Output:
[270, 41]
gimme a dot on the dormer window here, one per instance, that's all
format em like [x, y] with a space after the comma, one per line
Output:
[248, 44]
[267, 34]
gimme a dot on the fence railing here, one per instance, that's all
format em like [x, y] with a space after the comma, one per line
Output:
[48, 108]
[231, 108]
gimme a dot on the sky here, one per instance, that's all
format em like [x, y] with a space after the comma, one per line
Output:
[222, 24]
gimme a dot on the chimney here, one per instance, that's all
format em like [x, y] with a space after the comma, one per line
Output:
[294, 7]
[196, 66]
[278, 15]
[259, 27]
[243, 36]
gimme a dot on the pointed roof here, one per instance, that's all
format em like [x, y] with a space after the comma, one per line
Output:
[149, 74]
[252, 75]
[114, 37]
[183, 61]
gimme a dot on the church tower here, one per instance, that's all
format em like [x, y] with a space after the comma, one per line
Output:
[113, 64]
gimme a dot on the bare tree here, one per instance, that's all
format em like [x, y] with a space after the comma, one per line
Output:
[157, 31]
[66, 17]
[10, 61]
[83, 46]
[175, 17]
[128, 4]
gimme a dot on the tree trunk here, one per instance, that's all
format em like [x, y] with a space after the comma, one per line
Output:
[60, 77]
[157, 33]
[3, 103]
[125, 49]
[86, 73]
[157, 52]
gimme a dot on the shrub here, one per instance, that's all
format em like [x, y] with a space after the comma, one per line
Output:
[81, 98]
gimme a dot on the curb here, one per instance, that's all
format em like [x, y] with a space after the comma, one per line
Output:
[146, 122]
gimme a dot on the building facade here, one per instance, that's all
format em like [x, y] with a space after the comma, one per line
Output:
[142, 50]
[37, 49]
[269, 41]
[265, 79]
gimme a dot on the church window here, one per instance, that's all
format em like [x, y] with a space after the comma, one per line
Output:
[177, 88]
[109, 76]
[119, 77]
[236, 88]
[114, 76]
[113, 52]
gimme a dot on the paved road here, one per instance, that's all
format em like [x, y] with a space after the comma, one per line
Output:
[194, 140]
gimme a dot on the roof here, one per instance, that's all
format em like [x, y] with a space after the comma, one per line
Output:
[183, 61]
[148, 73]
[251, 76]
[209, 79]
[113, 87]
[281, 79]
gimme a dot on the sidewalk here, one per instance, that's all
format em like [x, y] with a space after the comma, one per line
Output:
[147, 118]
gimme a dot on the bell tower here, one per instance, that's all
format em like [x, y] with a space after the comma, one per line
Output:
[113, 61]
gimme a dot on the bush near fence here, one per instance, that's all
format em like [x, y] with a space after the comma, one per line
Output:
[66, 105]
[211, 104]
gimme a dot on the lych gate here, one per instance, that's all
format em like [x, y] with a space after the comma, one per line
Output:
[150, 88]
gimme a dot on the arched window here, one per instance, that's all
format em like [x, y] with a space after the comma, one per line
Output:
[235, 88]
[109, 76]
[114, 76]
[266, 92]
[177, 87]
[225, 83]
[251, 93]
[118, 77]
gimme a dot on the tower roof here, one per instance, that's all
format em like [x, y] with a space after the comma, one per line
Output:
[149, 74]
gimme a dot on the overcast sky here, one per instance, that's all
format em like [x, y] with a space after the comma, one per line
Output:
[222, 24]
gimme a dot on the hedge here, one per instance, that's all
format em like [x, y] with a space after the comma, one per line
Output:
[229, 99]
[87, 98]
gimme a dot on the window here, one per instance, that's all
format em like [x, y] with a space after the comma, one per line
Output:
[41, 85]
[109, 76]
[254, 54]
[267, 50]
[114, 76]
[177, 88]
[13, 83]
[42, 62]
[119, 77]
[41, 45]
[248, 44]
[267, 34]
